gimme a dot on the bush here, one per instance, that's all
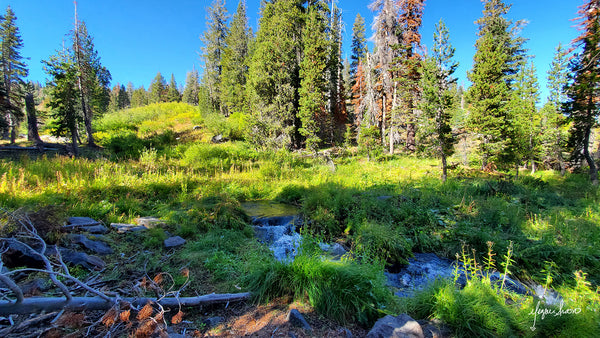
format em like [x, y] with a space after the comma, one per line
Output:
[346, 291]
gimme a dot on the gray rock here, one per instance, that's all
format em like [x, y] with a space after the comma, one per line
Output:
[219, 139]
[81, 221]
[149, 222]
[95, 229]
[175, 241]
[337, 250]
[79, 258]
[346, 333]
[123, 228]
[19, 254]
[297, 319]
[213, 321]
[402, 326]
[97, 247]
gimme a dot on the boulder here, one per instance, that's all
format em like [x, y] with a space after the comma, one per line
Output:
[97, 247]
[18, 254]
[79, 258]
[297, 319]
[174, 241]
[402, 326]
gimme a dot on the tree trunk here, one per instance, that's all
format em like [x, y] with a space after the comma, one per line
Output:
[444, 168]
[589, 159]
[32, 128]
[47, 304]
[411, 132]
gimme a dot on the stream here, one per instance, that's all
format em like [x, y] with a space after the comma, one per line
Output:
[275, 224]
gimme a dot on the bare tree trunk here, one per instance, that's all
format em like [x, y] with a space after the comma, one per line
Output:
[47, 304]
[32, 128]
[444, 168]
[589, 159]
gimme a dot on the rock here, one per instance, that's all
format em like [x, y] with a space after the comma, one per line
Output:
[149, 222]
[196, 128]
[175, 241]
[384, 198]
[431, 330]
[123, 228]
[345, 333]
[81, 221]
[337, 250]
[219, 139]
[95, 229]
[82, 259]
[213, 321]
[97, 247]
[19, 254]
[401, 326]
[297, 319]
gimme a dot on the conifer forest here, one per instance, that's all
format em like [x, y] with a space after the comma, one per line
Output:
[294, 186]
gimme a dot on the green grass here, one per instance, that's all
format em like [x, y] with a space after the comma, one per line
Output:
[155, 164]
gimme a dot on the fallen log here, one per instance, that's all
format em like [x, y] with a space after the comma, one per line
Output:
[47, 304]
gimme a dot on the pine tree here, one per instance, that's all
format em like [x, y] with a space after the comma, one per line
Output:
[157, 89]
[336, 101]
[554, 131]
[114, 98]
[438, 96]
[359, 46]
[407, 68]
[64, 97]
[312, 114]
[526, 120]
[212, 51]
[123, 98]
[582, 105]
[172, 91]
[497, 58]
[235, 61]
[13, 71]
[33, 134]
[192, 88]
[139, 97]
[274, 78]
[92, 78]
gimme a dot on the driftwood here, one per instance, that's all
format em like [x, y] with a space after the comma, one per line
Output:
[39, 304]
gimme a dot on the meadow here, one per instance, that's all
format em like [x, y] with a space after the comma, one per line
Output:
[158, 161]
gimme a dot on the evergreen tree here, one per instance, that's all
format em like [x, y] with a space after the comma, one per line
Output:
[172, 91]
[212, 51]
[554, 127]
[526, 119]
[439, 97]
[139, 97]
[32, 121]
[13, 71]
[114, 98]
[64, 97]
[312, 113]
[582, 105]
[407, 68]
[336, 100]
[498, 55]
[92, 78]
[235, 61]
[274, 78]
[123, 98]
[158, 89]
[359, 46]
[192, 88]
[130, 90]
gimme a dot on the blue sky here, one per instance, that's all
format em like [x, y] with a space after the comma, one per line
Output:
[136, 39]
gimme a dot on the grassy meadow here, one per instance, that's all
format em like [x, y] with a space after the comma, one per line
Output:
[155, 162]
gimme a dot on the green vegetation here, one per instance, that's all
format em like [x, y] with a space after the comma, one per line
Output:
[383, 210]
